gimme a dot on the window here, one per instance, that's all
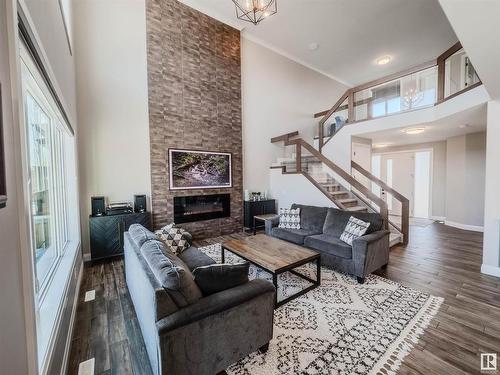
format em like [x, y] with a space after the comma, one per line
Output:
[45, 145]
[50, 176]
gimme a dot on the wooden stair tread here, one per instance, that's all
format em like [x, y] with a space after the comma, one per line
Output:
[340, 192]
[356, 208]
[348, 200]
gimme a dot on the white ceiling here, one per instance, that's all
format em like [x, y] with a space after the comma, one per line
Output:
[351, 34]
[469, 121]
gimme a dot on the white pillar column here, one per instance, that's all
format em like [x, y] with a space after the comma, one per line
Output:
[491, 245]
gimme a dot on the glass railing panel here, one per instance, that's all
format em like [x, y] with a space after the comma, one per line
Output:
[337, 119]
[459, 73]
[410, 92]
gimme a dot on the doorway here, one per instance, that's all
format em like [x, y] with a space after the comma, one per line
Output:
[408, 172]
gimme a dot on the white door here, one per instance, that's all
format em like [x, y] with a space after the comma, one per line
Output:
[421, 204]
[398, 170]
[362, 154]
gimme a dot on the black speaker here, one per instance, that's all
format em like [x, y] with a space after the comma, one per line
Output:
[140, 203]
[98, 206]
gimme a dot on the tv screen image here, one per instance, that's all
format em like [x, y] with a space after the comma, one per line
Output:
[192, 169]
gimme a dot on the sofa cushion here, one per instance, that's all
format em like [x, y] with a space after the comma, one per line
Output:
[293, 235]
[195, 258]
[311, 217]
[336, 221]
[289, 218]
[139, 234]
[218, 277]
[330, 245]
[172, 273]
[175, 238]
[168, 227]
[355, 228]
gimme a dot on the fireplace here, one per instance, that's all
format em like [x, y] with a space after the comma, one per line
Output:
[201, 207]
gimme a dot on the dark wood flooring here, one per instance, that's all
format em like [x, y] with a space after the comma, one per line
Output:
[440, 260]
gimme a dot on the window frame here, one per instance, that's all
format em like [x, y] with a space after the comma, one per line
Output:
[30, 85]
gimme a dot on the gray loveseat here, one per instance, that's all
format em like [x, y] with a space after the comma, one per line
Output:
[184, 331]
[321, 228]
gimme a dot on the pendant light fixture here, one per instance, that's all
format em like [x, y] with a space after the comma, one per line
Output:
[255, 11]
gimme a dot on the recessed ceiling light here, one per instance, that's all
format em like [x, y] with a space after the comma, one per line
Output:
[463, 126]
[380, 145]
[383, 60]
[313, 46]
[413, 131]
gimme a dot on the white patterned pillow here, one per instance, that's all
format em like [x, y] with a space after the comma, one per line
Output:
[355, 228]
[176, 239]
[289, 218]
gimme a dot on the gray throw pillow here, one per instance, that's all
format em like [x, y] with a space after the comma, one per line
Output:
[172, 273]
[218, 277]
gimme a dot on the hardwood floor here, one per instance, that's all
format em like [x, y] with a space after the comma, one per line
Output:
[440, 260]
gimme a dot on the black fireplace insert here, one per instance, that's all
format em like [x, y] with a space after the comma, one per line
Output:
[201, 207]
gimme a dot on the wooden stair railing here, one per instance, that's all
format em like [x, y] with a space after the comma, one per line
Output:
[285, 137]
[299, 144]
[405, 203]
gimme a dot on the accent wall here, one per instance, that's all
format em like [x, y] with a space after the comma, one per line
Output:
[194, 77]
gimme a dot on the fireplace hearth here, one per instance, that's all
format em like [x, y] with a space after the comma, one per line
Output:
[201, 207]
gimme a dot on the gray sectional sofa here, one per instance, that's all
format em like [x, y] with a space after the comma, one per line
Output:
[184, 331]
[320, 230]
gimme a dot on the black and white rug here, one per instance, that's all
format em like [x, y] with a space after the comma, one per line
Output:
[341, 327]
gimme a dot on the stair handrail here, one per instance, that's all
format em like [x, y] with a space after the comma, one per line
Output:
[405, 202]
[299, 143]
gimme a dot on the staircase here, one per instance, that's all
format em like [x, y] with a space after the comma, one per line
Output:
[320, 172]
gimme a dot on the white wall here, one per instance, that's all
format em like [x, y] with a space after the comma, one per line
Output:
[13, 344]
[465, 180]
[112, 87]
[438, 194]
[278, 96]
[47, 18]
[491, 245]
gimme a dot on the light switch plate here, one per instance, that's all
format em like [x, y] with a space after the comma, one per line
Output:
[90, 296]
[87, 367]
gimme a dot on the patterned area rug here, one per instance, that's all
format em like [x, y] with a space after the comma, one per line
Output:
[341, 327]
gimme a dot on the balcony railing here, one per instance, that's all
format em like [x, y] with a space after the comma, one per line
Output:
[421, 86]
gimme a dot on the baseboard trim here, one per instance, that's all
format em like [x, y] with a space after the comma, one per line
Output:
[64, 366]
[474, 228]
[438, 218]
[490, 270]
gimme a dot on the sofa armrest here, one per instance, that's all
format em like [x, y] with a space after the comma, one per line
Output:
[271, 223]
[214, 304]
[370, 252]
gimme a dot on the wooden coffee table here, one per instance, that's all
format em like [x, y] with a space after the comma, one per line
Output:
[275, 256]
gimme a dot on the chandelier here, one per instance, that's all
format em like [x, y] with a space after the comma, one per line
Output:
[255, 11]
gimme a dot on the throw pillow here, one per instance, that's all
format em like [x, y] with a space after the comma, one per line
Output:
[176, 239]
[140, 235]
[289, 218]
[218, 277]
[355, 228]
[172, 273]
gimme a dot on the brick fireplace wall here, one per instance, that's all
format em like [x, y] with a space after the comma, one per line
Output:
[194, 76]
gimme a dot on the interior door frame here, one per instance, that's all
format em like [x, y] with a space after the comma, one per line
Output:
[431, 167]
